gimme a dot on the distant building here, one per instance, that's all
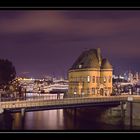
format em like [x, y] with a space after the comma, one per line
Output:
[130, 77]
[90, 74]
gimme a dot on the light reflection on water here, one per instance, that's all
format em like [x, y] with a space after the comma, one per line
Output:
[44, 120]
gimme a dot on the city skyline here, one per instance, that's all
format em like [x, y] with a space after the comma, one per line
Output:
[49, 41]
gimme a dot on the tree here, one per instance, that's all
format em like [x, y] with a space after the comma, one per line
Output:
[7, 72]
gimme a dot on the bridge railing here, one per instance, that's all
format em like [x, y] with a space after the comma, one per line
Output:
[63, 101]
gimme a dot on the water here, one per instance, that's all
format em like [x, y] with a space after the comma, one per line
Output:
[93, 119]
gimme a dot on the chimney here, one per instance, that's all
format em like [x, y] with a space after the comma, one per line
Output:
[99, 56]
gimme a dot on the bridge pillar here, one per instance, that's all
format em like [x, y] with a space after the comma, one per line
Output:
[122, 109]
[75, 112]
[131, 114]
[110, 111]
[22, 118]
[75, 115]
[22, 112]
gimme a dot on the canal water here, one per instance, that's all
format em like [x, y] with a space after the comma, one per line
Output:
[88, 119]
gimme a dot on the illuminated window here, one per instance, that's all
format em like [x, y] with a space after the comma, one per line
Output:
[80, 66]
[104, 79]
[88, 78]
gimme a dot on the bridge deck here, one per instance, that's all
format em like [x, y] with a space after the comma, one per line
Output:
[39, 104]
[59, 102]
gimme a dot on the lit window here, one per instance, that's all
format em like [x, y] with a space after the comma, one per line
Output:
[80, 66]
[88, 78]
[104, 79]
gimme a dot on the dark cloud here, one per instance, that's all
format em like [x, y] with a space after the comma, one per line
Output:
[49, 41]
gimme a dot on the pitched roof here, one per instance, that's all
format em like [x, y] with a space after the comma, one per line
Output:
[90, 59]
[87, 59]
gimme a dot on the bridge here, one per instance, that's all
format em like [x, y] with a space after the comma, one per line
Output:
[49, 104]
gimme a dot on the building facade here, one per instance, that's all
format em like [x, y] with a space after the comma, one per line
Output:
[90, 74]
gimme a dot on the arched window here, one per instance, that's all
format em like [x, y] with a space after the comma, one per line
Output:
[104, 79]
[88, 79]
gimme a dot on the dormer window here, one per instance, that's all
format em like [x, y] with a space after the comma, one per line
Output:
[80, 66]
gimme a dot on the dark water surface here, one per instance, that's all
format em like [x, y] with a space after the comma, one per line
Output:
[93, 119]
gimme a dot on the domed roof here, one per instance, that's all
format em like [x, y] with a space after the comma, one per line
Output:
[87, 59]
[106, 64]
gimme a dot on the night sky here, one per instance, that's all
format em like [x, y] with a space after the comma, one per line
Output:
[47, 42]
